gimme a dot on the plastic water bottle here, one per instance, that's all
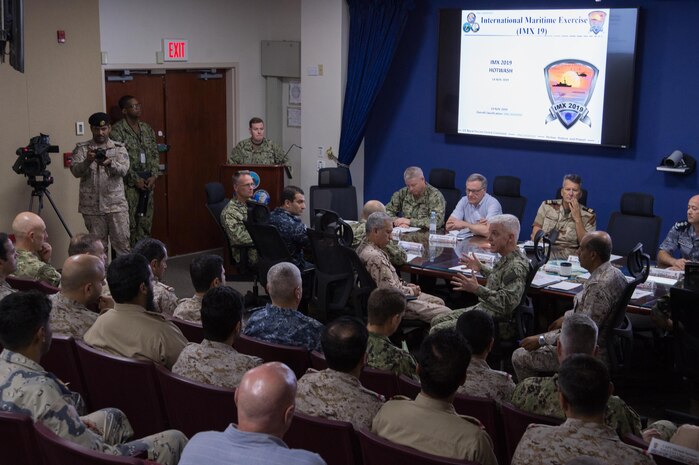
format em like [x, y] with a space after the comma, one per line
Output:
[433, 222]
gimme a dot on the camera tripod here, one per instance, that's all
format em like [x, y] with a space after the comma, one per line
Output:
[39, 190]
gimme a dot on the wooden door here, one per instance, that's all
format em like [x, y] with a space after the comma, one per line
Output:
[150, 92]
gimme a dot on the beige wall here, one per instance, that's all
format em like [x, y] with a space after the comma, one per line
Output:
[61, 84]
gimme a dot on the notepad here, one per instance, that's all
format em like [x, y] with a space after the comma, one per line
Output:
[542, 279]
[564, 286]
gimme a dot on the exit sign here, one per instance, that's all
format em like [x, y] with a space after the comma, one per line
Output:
[175, 50]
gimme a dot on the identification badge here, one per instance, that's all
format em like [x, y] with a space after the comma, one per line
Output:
[143, 157]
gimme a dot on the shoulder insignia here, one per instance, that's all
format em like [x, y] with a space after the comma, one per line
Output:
[118, 144]
[509, 277]
[587, 209]
[552, 202]
[82, 144]
[681, 225]
[400, 397]
[473, 420]
[169, 288]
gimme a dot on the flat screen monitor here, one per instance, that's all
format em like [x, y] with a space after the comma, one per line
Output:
[563, 75]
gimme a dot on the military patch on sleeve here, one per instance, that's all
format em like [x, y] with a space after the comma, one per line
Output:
[681, 225]
[509, 277]
[587, 209]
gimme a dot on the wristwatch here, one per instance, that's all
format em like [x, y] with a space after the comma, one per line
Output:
[542, 341]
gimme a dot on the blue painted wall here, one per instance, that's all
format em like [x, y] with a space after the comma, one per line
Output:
[401, 129]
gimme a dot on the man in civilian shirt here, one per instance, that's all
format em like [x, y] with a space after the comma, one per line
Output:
[265, 401]
[287, 219]
[475, 209]
[280, 322]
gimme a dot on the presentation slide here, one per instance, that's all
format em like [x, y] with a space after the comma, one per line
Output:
[539, 74]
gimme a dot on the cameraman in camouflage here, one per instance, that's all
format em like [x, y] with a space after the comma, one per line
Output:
[101, 165]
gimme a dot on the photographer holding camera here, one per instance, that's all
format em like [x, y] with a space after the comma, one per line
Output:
[101, 165]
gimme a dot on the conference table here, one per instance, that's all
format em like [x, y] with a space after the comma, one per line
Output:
[436, 259]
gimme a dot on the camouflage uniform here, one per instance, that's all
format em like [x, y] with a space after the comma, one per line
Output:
[102, 199]
[539, 395]
[433, 426]
[5, 289]
[267, 153]
[551, 215]
[214, 363]
[143, 142]
[596, 300]
[284, 326]
[418, 210]
[189, 309]
[553, 445]
[482, 381]
[31, 267]
[499, 297]
[395, 252]
[70, 317]
[384, 275]
[164, 297]
[683, 236]
[25, 387]
[232, 218]
[383, 355]
[293, 233]
[337, 396]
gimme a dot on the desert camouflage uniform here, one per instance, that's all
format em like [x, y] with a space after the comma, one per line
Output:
[683, 236]
[70, 317]
[232, 218]
[214, 363]
[384, 275]
[146, 143]
[189, 309]
[395, 252]
[5, 289]
[539, 395]
[164, 297]
[267, 153]
[25, 387]
[418, 210]
[337, 396]
[499, 297]
[551, 215]
[482, 381]
[553, 445]
[31, 267]
[102, 199]
[597, 299]
[284, 326]
[383, 355]
[293, 233]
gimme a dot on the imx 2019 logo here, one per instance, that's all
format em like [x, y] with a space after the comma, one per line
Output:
[570, 84]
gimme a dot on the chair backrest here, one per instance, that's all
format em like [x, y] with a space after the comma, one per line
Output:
[62, 361]
[506, 191]
[216, 201]
[17, 433]
[338, 176]
[379, 451]
[685, 317]
[296, 358]
[515, 422]
[486, 411]
[340, 199]
[583, 197]
[381, 381]
[127, 384]
[192, 331]
[444, 180]
[318, 361]
[635, 222]
[24, 284]
[58, 451]
[335, 441]
[408, 387]
[192, 406]
[364, 283]
[270, 246]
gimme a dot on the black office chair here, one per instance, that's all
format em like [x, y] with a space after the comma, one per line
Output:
[506, 191]
[635, 222]
[443, 179]
[335, 192]
[363, 282]
[583, 197]
[685, 328]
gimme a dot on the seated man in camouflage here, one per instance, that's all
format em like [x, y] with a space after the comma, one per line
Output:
[287, 219]
[207, 272]
[233, 217]
[477, 327]
[8, 263]
[155, 252]
[25, 387]
[416, 202]
[215, 361]
[395, 253]
[385, 309]
[33, 250]
[336, 392]
[372, 254]
[81, 287]
[505, 283]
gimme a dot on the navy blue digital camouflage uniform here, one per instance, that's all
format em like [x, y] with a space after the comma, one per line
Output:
[293, 232]
[284, 326]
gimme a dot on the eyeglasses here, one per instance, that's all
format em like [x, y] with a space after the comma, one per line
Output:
[135, 105]
[473, 191]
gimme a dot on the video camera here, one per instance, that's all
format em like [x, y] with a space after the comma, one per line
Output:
[33, 159]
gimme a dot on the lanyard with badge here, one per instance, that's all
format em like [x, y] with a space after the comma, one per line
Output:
[142, 155]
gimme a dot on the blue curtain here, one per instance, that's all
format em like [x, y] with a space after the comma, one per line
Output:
[375, 30]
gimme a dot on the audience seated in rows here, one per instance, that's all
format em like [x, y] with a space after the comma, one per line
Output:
[207, 272]
[8, 263]
[33, 250]
[25, 387]
[215, 361]
[156, 253]
[132, 328]
[396, 254]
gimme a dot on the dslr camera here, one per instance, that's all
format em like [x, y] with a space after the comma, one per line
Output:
[33, 159]
[100, 155]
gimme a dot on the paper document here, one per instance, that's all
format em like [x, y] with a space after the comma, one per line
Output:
[639, 293]
[410, 256]
[673, 451]
[401, 230]
[660, 280]
[462, 234]
[461, 269]
[564, 286]
[542, 279]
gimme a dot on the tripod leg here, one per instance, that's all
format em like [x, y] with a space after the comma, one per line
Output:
[58, 213]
